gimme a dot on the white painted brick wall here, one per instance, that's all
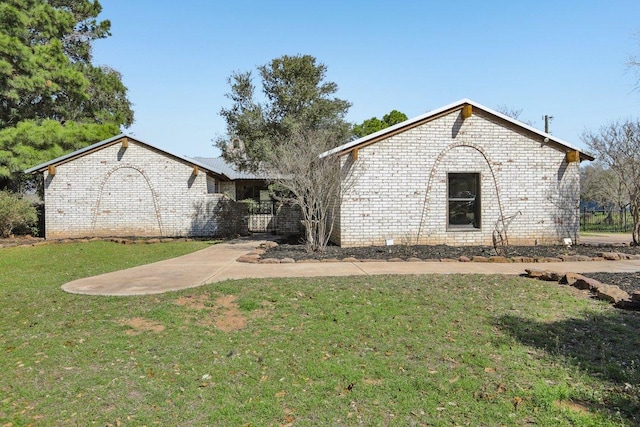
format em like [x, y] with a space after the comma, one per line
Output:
[135, 191]
[401, 184]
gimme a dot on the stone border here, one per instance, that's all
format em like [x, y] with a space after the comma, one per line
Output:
[602, 291]
[37, 241]
[255, 257]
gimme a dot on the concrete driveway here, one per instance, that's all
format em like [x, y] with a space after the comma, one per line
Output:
[218, 262]
[605, 238]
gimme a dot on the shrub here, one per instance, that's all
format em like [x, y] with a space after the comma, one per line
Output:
[15, 212]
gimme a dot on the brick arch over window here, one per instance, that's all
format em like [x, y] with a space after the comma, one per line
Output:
[426, 205]
[127, 204]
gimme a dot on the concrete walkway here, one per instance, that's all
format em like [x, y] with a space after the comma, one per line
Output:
[594, 238]
[218, 262]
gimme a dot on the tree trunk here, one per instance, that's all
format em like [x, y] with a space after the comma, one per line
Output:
[635, 214]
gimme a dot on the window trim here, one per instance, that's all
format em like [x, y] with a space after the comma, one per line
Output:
[478, 199]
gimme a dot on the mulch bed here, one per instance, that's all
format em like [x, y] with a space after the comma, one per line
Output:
[297, 252]
[626, 281]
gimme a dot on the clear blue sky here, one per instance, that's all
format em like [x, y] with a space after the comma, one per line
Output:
[565, 58]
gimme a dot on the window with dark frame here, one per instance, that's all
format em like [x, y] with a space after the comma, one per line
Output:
[463, 197]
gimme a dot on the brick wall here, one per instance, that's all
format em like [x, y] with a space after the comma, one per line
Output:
[401, 183]
[288, 219]
[135, 191]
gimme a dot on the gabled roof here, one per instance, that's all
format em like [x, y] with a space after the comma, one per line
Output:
[544, 137]
[224, 170]
[220, 164]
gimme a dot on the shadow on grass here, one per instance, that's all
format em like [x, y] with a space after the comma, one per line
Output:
[605, 346]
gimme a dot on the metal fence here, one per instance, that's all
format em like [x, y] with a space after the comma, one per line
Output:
[611, 220]
[262, 217]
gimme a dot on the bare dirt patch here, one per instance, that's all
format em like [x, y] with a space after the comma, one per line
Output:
[20, 241]
[574, 406]
[225, 313]
[194, 302]
[140, 324]
[231, 318]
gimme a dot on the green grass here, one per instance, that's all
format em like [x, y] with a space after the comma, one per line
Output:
[388, 350]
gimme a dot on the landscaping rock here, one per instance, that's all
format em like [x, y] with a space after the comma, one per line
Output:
[629, 256]
[269, 245]
[628, 305]
[610, 256]
[574, 258]
[396, 260]
[547, 275]
[269, 261]
[517, 253]
[522, 259]
[635, 296]
[587, 283]
[248, 258]
[611, 293]
[464, 259]
[350, 259]
[308, 261]
[448, 260]
[414, 259]
[571, 278]
[287, 261]
[533, 273]
[330, 260]
[498, 259]
[479, 258]
[551, 276]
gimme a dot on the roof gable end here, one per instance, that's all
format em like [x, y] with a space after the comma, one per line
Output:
[447, 109]
[115, 140]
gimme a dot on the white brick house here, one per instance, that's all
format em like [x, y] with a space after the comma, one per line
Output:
[459, 175]
[125, 187]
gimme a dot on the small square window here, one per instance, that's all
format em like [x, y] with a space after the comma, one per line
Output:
[463, 197]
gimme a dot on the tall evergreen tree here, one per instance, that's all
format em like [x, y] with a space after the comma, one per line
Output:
[47, 75]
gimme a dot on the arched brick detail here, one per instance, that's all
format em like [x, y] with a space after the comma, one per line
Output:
[436, 165]
[105, 180]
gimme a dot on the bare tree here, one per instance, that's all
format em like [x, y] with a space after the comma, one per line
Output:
[617, 147]
[633, 64]
[512, 112]
[601, 185]
[302, 178]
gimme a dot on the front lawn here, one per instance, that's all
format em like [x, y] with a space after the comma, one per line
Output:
[388, 350]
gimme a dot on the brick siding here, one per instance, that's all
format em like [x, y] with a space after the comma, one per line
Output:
[400, 185]
[135, 191]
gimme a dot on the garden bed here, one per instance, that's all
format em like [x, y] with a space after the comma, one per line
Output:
[437, 252]
[628, 282]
